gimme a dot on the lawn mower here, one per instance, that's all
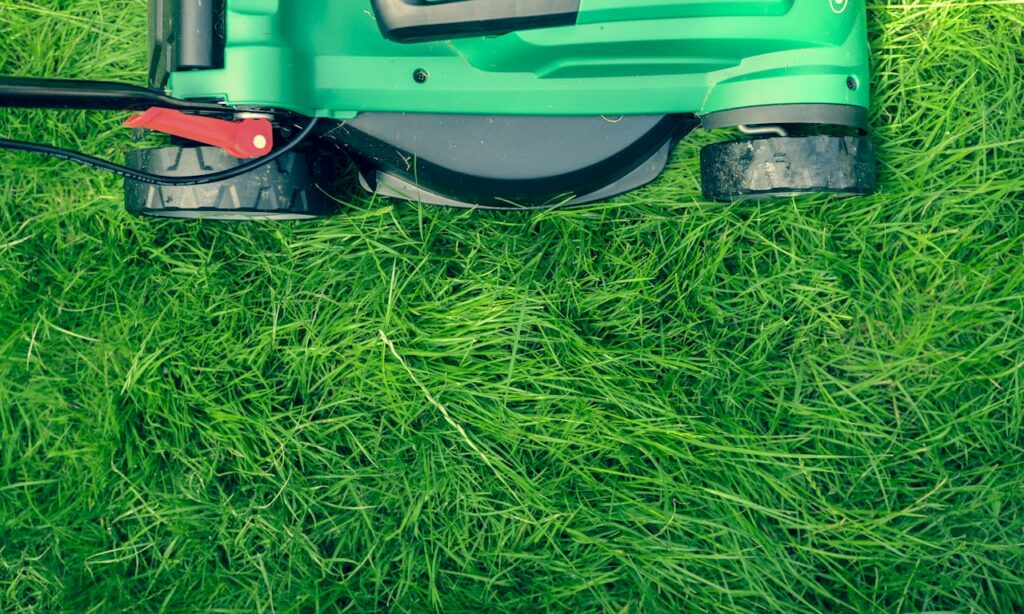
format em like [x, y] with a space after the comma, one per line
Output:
[493, 104]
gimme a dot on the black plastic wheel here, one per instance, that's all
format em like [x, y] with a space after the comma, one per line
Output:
[287, 189]
[780, 167]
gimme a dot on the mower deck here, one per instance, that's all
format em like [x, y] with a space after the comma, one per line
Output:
[623, 57]
[477, 103]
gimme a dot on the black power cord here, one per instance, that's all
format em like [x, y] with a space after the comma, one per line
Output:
[144, 177]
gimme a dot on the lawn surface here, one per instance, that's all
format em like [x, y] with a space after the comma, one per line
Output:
[658, 404]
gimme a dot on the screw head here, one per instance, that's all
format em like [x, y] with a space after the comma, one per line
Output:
[420, 75]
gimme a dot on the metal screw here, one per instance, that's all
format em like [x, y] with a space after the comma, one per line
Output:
[851, 83]
[420, 75]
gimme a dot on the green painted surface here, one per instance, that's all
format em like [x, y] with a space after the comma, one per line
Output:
[328, 58]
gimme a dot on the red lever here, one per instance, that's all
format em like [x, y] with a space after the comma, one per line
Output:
[249, 138]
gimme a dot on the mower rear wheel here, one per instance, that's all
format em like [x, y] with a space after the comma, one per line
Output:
[286, 189]
[780, 167]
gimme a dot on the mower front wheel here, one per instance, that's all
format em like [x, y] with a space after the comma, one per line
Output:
[780, 167]
[290, 188]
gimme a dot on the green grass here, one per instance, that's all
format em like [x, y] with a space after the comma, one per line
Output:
[658, 404]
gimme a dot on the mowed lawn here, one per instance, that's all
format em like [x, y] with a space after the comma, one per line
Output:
[657, 404]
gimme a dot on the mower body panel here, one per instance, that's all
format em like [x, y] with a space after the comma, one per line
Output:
[328, 58]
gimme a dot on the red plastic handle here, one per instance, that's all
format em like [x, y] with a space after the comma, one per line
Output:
[249, 138]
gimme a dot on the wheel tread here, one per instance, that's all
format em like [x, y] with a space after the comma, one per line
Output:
[287, 187]
[787, 166]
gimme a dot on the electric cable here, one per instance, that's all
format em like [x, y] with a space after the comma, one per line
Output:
[144, 177]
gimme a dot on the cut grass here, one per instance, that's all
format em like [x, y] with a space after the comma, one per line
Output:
[657, 404]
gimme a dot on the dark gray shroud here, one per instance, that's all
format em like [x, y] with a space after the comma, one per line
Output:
[502, 161]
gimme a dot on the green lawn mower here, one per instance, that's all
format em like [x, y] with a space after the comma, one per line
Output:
[494, 104]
